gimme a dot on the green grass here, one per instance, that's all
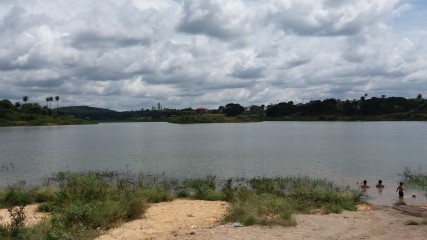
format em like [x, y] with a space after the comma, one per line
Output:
[412, 222]
[16, 195]
[307, 194]
[82, 205]
[415, 179]
[251, 208]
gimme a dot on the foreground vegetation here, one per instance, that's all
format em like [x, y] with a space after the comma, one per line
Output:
[83, 205]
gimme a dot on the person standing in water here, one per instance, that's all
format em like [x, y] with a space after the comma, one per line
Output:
[380, 184]
[400, 189]
[364, 185]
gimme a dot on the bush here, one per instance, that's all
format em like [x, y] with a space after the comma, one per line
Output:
[203, 189]
[266, 209]
[154, 195]
[15, 229]
[44, 195]
[135, 208]
[84, 187]
[16, 195]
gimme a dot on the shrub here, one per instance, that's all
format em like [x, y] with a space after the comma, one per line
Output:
[212, 195]
[44, 194]
[15, 229]
[154, 195]
[15, 195]
[202, 188]
[135, 208]
[85, 187]
[266, 209]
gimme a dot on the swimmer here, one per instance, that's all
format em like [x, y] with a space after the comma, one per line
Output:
[380, 184]
[364, 185]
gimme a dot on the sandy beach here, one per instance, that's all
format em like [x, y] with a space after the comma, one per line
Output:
[194, 219]
[186, 219]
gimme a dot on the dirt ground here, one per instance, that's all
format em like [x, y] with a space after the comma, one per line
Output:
[30, 211]
[191, 219]
[185, 219]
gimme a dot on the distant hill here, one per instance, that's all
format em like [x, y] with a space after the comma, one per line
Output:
[92, 113]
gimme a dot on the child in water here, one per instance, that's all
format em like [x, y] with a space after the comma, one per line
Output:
[364, 185]
[400, 189]
[380, 184]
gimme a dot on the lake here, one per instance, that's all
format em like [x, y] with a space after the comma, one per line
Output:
[345, 152]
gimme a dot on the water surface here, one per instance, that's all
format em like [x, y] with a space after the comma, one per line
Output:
[345, 152]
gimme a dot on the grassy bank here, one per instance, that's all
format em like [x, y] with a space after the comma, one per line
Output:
[83, 205]
[44, 121]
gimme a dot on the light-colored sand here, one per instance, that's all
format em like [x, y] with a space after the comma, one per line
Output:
[173, 220]
[170, 219]
[189, 219]
[31, 215]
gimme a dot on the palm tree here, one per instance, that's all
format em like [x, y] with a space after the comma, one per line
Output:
[57, 100]
[47, 101]
[50, 100]
[25, 99]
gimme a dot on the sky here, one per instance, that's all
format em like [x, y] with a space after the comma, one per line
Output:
[134, 54]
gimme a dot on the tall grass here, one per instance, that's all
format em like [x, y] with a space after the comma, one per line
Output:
[84, 204]
[415, 179]
[251, 208]
[272, 200]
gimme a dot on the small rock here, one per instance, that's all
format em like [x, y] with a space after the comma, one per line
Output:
[193, 226]
[192, 232]
[237, 224]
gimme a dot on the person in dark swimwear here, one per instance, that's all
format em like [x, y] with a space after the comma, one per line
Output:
[364, 185]
[380, 184]
[400, 189]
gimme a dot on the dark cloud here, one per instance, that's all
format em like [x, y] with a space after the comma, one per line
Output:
[48, 83]
[294, 63]
[17, 20]
[91, 40]
[251, 72]
[328, 18]
[207, 17]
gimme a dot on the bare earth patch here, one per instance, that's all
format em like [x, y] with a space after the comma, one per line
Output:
[32, 217]
[170, 219]
[178, 220]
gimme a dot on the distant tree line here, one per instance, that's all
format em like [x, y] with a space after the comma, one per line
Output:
[27, 111]
[356, 107]
[333, 109]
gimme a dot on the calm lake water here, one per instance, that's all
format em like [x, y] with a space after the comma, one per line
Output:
[345, 152]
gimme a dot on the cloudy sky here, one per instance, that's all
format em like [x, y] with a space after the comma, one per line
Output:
[133, 54]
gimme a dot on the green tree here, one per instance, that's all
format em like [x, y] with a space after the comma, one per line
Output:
[6, 106]
[25, 99]
[57, 100]
[18, 105]
[233, 109]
